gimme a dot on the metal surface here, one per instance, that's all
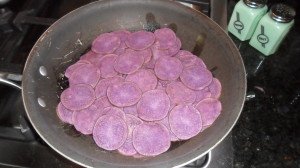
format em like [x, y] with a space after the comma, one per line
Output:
[207, 160]
[2, 2]
[255, 3]
[25, 18]
[57, 48]
[225, 154]
[203, 5]
[28, 156]
[218, 12]
[8, 82]
[11, 37]
[282, 13]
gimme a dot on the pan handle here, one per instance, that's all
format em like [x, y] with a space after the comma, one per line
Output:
[5, 81]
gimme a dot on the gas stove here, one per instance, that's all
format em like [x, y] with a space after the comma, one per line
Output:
[21, 24]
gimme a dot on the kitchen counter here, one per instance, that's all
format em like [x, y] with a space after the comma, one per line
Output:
[267, 135]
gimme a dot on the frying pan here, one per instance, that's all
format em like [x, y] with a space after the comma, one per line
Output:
[69, 37]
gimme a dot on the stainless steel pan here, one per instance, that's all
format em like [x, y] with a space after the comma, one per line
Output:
[64, 42]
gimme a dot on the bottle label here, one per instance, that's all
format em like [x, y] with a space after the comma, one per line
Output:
[238, 25]
[262, 38]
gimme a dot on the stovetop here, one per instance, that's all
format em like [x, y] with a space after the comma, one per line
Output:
[266, 134]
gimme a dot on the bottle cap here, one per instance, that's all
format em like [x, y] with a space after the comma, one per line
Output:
[282, 13]
[255, 3]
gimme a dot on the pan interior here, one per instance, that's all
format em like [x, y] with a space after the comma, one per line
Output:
[64, 42]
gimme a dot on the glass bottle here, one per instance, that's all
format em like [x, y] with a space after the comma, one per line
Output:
[245, 17]
[272, 29]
